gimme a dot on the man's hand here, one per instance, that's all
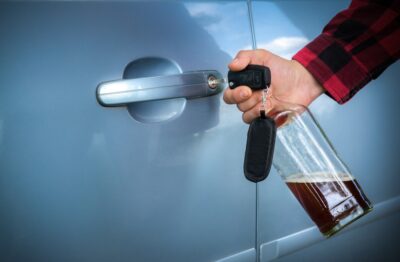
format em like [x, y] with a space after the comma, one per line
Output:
[291, 82]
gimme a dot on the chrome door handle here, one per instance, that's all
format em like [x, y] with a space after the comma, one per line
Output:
[188, 85]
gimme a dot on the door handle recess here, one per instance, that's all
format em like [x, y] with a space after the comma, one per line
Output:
[188, 85]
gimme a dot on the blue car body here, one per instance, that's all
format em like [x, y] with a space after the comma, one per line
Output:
[163, 180]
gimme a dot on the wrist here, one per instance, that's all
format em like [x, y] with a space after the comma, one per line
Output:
[307, 83]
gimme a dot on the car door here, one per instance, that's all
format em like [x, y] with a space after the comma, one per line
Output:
[364, 132]
[159, 180]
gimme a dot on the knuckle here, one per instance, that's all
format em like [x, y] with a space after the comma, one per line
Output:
[237, 95]
[227, 98]
[259, 98]
[244, 118]
[262, 51]
[242, 53]
[241, 107]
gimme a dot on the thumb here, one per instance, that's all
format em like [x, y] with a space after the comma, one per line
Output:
[242, 60]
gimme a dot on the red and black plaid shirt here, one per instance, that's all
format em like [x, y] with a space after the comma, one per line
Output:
[355, 47]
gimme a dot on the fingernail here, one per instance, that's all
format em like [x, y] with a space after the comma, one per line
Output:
[244, 94]
[235, 61]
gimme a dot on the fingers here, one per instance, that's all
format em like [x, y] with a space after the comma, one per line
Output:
[251, 114]
[246, 57]
[237, 95]
[242, 59]
[248, 104]
[247, 101]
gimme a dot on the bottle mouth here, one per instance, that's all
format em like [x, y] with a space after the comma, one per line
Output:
[283, 112]
[282, 118]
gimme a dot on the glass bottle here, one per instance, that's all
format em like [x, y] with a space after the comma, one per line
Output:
[307, 162]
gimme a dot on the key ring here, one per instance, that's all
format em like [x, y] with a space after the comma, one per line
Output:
[266, 95]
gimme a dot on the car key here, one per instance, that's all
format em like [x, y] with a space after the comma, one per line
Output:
[254, 76]
[259, 149]
[262, 130]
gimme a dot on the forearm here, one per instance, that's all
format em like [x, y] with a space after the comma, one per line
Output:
[355, 47]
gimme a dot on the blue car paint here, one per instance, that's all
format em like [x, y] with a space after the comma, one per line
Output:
[80, 182]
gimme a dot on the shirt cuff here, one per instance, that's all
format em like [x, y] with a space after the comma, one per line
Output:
[333, 67]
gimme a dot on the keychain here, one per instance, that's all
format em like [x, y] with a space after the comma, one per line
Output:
[262, 130]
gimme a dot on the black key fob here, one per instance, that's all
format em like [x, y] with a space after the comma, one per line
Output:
[262, 131]
[259, 149]
[254, 76]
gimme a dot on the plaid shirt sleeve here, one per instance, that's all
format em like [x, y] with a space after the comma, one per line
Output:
[356, 46]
